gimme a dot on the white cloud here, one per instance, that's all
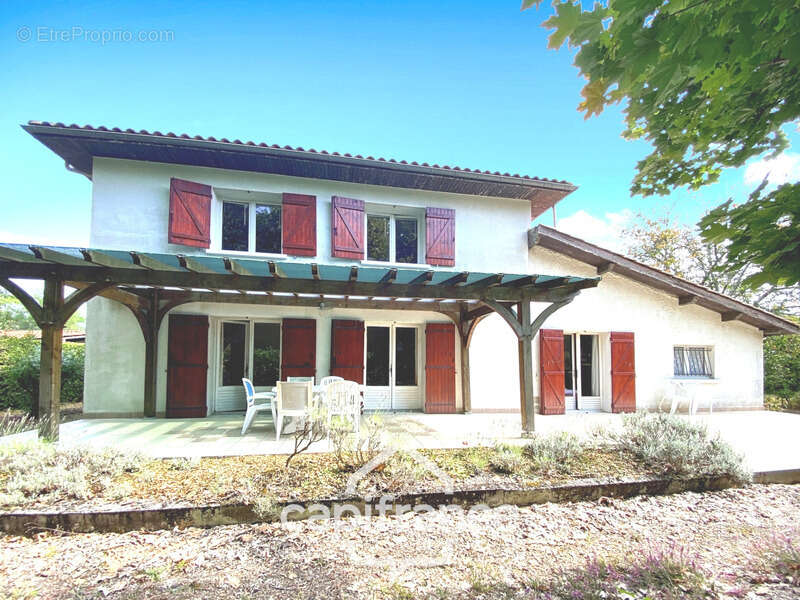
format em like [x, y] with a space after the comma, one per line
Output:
[781, 169]
[605, 232]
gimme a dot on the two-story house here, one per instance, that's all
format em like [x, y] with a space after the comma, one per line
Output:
[171, 206]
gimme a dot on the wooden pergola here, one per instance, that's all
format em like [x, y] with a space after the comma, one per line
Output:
[151, 284]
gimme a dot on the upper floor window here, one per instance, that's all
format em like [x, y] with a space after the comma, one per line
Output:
[251, 227]
[692, 361]
[392, 238]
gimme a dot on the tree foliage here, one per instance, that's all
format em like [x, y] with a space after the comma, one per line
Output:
[764, 231]
[782, 366]
[664, 244]
[14, 316]
[710, 84]
[19, 372]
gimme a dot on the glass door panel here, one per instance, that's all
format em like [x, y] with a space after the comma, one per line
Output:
[405, 356]
[266, 354]
[234, 352]
[378, 359]
[570, 376]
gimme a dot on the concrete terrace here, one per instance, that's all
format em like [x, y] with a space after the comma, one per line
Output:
[768, 440]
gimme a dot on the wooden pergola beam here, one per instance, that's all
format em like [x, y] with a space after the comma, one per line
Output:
[235, 267]
[272, 300]
[456, 279]
[28, 301]
[279, 283]
[422, 278]
[390, 276]
[485, 283]
[148, 262]
[605, 267]
[106, 260]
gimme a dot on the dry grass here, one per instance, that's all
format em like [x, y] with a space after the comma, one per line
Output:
[266, 478]
[316, 476]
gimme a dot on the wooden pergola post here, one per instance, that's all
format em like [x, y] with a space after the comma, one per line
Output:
[150, 371]
[525, 337]
[51, 316]
[148, 313]
[50, 361]
[465, 326]
[526, 330]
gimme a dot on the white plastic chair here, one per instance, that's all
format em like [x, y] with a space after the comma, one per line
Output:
[293, 400]
[675, 392]
[252, 407]
[343, 399]
[708, 398]
[326, 381]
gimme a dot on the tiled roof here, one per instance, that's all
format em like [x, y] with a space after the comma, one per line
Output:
[238, 142]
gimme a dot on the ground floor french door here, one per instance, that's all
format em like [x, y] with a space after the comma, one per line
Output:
[247, 348]
[582, 371]
[392, 365]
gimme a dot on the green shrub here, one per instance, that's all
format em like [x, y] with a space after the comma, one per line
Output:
[555, 452]
[779, 404]
[782, 366]
[19, 372]
[676, 446]
[506, 459]
[40, 471]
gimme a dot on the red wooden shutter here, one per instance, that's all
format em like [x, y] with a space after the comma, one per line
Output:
[187, 365]
[623, 372]
[299, 348]
[189, 213]
[440, 368]
[299, 215]
[551, 372]
[440, 228]
[347, 228]
[347, 349]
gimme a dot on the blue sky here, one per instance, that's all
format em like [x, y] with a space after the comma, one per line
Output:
[460, 83]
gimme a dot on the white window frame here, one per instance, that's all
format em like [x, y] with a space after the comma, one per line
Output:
[686, 347]
[250, 324]
[393, 216]
[251, 228]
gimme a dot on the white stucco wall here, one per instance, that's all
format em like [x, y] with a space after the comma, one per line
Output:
[130, 211]
[115, 364]
[130, 206]
[620, 304]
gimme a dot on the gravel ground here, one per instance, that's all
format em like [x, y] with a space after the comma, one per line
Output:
[437, 555]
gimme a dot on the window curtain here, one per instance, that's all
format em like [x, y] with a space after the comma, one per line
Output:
[595, 365]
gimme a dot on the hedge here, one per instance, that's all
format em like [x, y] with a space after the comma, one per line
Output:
[782, 366]
[19, 372]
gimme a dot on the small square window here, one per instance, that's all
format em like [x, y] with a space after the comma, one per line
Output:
[235, 226]
[268, 228]
[392, 238]
[692, 361]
